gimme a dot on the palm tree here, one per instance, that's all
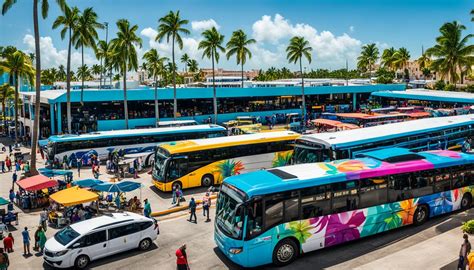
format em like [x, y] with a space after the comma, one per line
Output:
[212, 44]
[296, 50]
[85, 35]
[96, 70]
[6, 93]
[238, 45]
[61, 73]
[388, 58]
[18, 65]
[68, 21]
[155, 66]
[125, 54]
[402, 56]
[7, 4]
[104, 52]
[193, 66]
[185, 59]
[424, 62]
[452, 52]
[83, 72]
[368, 57]
[172, 26]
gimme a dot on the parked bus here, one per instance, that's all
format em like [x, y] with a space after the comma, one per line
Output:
[207, 162]
[419, 135]
[283, 212]
[129, 140]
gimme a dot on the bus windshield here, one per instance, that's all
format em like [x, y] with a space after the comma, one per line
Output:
[160, 164]
[230, 212]
[305, 154]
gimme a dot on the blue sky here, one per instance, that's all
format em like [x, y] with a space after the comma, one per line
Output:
[336, 28]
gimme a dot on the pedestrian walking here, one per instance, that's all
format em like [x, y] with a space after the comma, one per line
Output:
[8, 243]
[463, 252]
[42, 239]
[174, 195]
[2, 165]
[206, 204]
[4, 261]
[192, 210]
[147, 208]
[182, 258]
[44, 219]
[179, 196]
[8, 162]
[26, 241]
[14, 178]
[11, 196]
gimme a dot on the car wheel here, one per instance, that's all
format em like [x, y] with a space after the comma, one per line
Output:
[285, 252]
[207, 180]
[145, 244]
[421, 215]
[466, 201]
[81, 262]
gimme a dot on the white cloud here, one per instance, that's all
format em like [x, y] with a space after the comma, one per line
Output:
[52, 57]
[351, 28]
[329, 51]
[204, 25]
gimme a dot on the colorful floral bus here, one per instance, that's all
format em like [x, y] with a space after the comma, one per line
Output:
[206, 162]
[276, 214]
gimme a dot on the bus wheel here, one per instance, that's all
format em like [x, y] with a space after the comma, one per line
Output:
[466, 201]
[176, 185]
[421, 215]
[285, 252]
[207, 180]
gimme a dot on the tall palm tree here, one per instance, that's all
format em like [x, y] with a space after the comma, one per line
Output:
[155, 66]
[18, 65]
[185, 59]
[238, 45]
[83, 72]
[125, 54]
[193, 66]
[103, 52]
[6, 93]
[296, 50]
[453, 52]
[388, 58]
[368, 57]
[402, 56]
[85, 35]
[172, 26]
[211, 45]
[62, 73]
[96, 70]
[7, 4]
[424, 61]
[68, 21]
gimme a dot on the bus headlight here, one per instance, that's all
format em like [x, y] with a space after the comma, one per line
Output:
[235, 250]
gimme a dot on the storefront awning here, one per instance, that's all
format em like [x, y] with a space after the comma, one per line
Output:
[73, 196]
[36, 182]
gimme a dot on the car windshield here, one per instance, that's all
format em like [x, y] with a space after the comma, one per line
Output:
[66, 235]
[160, 162]
[229, 217]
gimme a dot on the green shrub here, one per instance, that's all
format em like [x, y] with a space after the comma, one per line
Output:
[468, 227]
[439, 85]
[470, 88]
[450, 87]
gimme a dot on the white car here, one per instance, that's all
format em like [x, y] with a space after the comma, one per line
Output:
[78, 244]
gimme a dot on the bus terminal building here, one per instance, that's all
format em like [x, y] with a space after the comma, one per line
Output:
[103, 109]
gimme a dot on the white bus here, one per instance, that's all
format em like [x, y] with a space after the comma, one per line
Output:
[418, 135]
[129, 140]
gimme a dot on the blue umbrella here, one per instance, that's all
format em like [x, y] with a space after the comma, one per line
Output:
[51, 173]
[124, 186]
[88, 183]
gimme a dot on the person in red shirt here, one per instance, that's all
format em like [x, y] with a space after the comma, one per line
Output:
[181, 258]
[8, 243]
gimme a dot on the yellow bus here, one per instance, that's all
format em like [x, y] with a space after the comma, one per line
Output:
[207, 162]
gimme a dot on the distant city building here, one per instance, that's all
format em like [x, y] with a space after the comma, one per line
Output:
[248, 75]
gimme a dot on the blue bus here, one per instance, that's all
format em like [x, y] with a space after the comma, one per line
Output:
[130, 141]
[423, 134]
[274, 215]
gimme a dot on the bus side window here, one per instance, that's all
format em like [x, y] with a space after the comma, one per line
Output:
[422, 183]
[273, 210]
[254, 219]
[442, 180]
[399, 188]
[344, 196]
[372, 191]
[315, 202]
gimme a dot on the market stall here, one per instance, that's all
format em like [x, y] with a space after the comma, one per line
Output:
[33, 192]
[72, 200]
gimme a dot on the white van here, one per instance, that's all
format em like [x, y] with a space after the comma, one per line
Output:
[78, 244]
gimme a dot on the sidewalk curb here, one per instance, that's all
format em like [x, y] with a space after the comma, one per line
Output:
[178, 209]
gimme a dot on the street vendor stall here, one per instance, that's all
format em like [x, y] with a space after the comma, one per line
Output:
[69, 198]
[31, 193]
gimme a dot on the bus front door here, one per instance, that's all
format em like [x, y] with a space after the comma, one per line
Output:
[178, 171]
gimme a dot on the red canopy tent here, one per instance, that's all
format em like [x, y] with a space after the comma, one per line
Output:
[36, 182]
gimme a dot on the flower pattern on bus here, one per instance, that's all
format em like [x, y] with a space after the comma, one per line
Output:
[301, 230]
[227, 168]
[442, 203]
[344, 227]
[282, 158]
[407, 210]
[349, 165]
[381, 218]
